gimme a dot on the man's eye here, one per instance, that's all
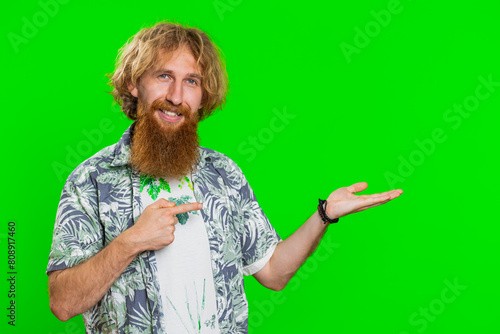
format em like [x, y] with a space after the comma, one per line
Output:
[192, 81]
[164, 76]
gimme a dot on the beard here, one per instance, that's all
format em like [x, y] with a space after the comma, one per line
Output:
[162, 149]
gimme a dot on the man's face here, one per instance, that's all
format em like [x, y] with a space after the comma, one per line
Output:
[175, 79]
[165, 140]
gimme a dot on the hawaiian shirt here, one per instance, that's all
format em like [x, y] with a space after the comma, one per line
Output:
[101, 199]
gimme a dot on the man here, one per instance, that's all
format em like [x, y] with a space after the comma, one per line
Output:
[154, 234]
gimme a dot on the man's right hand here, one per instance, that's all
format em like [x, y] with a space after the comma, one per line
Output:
[154, 229]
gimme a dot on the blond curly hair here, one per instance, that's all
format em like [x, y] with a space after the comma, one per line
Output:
[142, 50]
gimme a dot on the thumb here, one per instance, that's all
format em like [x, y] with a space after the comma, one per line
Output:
[357, 187]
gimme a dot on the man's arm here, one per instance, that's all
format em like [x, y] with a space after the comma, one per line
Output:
[75, 290]
[291, 253]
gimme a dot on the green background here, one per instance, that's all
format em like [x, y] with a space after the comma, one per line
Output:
[353, 117]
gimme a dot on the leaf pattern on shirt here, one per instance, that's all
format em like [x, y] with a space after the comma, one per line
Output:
[195, 312]
[185, 178]
[153, 185]
[184, 199]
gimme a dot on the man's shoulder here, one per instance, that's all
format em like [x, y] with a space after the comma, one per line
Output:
[218, 159]
[90, 168]
[213, 154]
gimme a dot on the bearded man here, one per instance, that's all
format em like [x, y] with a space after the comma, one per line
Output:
[115, 257]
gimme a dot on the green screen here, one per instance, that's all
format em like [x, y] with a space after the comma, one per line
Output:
[400, 94]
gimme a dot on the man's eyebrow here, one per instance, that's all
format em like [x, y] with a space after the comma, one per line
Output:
[195, 75]
[164, 71]
[161, 71]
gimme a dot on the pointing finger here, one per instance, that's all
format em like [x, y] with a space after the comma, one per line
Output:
[185, 208]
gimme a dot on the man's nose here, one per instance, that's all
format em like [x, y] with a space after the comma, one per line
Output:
[174, 93]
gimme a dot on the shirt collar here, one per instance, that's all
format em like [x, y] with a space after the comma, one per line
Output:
[122, 148]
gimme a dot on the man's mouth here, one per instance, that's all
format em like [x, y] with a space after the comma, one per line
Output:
[169, 116]
[169, 113]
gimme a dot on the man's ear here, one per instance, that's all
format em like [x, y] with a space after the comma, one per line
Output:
[133, 90]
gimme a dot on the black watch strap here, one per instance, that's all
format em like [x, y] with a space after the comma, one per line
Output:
[322, 214]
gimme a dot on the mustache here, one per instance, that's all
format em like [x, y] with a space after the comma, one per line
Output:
[167, 106]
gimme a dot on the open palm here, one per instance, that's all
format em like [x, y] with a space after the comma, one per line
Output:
[342, 201]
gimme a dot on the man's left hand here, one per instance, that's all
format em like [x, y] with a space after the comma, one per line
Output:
[342, 201]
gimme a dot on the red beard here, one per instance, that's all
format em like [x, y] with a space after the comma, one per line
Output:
[164, 150]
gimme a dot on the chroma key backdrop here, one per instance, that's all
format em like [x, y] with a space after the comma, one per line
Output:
[397, 93]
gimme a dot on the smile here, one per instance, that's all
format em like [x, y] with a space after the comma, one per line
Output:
[169, 113]
[170, 117]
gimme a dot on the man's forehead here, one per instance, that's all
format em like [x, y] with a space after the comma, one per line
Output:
[166, 57]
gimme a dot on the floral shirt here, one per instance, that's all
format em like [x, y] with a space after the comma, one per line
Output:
[101, 199]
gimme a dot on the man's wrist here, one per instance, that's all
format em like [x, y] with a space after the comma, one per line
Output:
[322, 213]
[126, 245]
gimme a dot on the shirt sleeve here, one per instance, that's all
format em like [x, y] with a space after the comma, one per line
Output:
[78, 234]
[259, 238]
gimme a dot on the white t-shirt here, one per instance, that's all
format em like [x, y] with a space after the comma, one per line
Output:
[184, 267]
